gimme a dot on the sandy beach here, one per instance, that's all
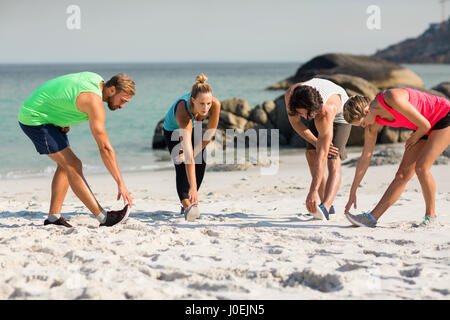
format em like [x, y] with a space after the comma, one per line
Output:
[254, 240]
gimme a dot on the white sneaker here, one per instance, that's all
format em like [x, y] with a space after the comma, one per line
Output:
[191, 213]
[320, 213]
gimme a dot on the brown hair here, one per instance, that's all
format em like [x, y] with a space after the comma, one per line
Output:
[122, 82]
[305, 97]
[354, 108]
[200, 85]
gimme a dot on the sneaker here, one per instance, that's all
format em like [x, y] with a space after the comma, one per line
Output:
[321, 213]
[362, 220]
[191, 213]
[60, 222]
[427, 220]
[182, 210]
[332, 210]
[115, 217]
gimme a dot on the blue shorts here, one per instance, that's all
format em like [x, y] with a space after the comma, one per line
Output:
[47, 138]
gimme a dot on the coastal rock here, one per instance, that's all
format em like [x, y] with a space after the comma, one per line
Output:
[393, 135]
[297, 141]
[259, 115]
[158, 136]
[229, 120]
[237, 106]
[280, 119]
[353, 85]
[379, 72]
[268, 106]
[443, 88]
[356, 137]
[433, 46]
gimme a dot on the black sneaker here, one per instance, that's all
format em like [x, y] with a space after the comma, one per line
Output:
[60, 222]
[115, 217]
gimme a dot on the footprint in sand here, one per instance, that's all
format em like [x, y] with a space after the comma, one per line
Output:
[322, 283]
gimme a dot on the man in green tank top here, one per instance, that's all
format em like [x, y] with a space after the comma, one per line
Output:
[46, 116]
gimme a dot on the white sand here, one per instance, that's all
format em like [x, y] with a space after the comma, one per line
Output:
[254, 240]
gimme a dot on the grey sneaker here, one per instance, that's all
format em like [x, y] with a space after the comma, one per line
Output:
[427, 220]
[362, 220]
[191, 213]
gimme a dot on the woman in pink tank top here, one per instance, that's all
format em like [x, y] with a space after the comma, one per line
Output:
[428, 116]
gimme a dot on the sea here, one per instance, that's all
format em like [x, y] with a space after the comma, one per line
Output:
[131, 129]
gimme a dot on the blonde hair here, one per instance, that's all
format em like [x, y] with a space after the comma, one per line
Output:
[200, 85]
[122, 82]
[354, 108]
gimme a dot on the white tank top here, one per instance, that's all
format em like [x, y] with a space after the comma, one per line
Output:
[326, 89]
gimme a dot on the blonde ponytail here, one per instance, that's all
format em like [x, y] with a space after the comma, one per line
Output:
[200, 85]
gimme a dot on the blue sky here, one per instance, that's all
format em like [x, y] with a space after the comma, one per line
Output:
[204, 30]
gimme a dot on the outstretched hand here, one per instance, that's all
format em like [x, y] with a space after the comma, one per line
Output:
[312, 201]
[65, 129]
[412, 140]
[123, 192]
[193, 196]
[351, 201]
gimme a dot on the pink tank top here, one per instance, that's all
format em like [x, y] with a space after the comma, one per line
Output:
[433, 108]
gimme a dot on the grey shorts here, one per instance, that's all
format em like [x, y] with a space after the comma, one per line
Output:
[341, 133]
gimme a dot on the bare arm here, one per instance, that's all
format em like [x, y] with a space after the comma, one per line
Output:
[92, 104]
[370, 139]
[325, 129]
[185, 122]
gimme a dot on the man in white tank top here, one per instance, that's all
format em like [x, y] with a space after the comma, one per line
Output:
[319, 103]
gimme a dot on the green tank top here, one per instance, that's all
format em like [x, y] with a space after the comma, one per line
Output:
[54, 101]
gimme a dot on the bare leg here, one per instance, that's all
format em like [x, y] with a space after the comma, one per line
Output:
[436, 144]
[185, 203]
[405, 172]
[311, 158]
[60, 184]
[73, 169]
[333, 182]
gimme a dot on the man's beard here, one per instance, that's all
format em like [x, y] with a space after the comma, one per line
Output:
[110, 105]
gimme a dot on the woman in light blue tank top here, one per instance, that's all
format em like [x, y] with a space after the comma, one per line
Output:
[183, 120]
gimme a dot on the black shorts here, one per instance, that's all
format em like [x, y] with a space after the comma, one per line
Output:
[441, 124]
[341, 133]
[47, 138]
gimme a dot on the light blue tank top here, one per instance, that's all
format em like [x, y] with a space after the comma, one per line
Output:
[170, 124]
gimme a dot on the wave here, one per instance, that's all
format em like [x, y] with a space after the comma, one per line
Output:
[90, 169]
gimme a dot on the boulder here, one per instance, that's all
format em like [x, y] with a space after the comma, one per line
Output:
[158, 136]
[237, 106]
[278, 116]
[297, 141]
[379, 72]
[268, 106]
[228, 120]
[353, 85]
[259, 115]
[444, 88]
[356, 137]
[393, 135]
